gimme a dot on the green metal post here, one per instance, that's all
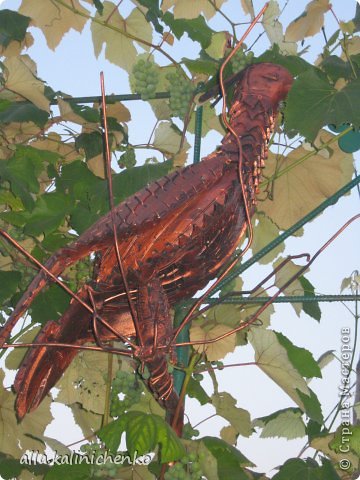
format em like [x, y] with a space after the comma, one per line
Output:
[198, 128]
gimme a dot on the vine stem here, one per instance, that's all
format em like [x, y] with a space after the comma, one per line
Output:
[106, 416]
[305, 157]
[188, 372]
[122, 32]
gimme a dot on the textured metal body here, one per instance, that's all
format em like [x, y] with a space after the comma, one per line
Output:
[174, 237]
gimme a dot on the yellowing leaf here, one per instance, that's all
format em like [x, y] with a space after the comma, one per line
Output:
[89, 422]
[309, 23]
[287, 424]
[96, 165]
[238, 418]
[15, 357]
[84, 382]
[217, 47]
[190, 9]
[229, 434]
[54, 19]
[352, 47]
[322, 444]
[168, 138]
[210, 121]
[217, 350]
[180, 158]
[264, 232]
[14, 439]
[169, 38]
[308, 184]
[248, 7]
[53, 143]
[68, 114]
[14, 48]
[20, 79]
[272, 359]
[326, 358]
[274, 29]
[118, 111]
[283, 275]
[120, 35]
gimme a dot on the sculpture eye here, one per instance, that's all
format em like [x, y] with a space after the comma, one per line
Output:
[274, 76]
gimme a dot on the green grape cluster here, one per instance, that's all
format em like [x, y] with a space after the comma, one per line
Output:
[188, 468]
[241, 59]
[131, 390]
[104, 469]
[146, 78]
[181, 93]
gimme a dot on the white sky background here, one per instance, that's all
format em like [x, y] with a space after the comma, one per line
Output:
[73, 69]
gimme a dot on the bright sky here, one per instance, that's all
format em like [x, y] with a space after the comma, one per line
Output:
[73, 69]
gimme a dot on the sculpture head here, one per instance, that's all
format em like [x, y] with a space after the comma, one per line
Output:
[265, 81]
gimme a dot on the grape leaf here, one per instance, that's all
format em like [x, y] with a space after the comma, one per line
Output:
[310, 21]
[16, 356]
[311, 308]
[210, 121]
[289, 270]
[274, 29]
[168, 138]
[309, 183]
[34, 423]
[208, 67]
[189, 9]
[353, 441]
[119, 47]
[89, 422]
[19, 78]
[208, 462]
[264, 231]
[285, 423]
[230, 461]
[336, 68]
[9, 282]
[91, 143]
[272, 359]
[48, 214]
[49, 304]
[52, 143]
[143, 433]
[84, 383]
[81, 471]
[248, 7]
[218, 45]
[326, 358]
[301, 358]
[229, 434]
[217, 350]
[323, 443]
[323, 104]
[298, 469]
[13, 26]
[197, 28]
[296, 65]
[195, 390]
[239, 418]
[23, 112]
[312, 406]
[54, 19]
